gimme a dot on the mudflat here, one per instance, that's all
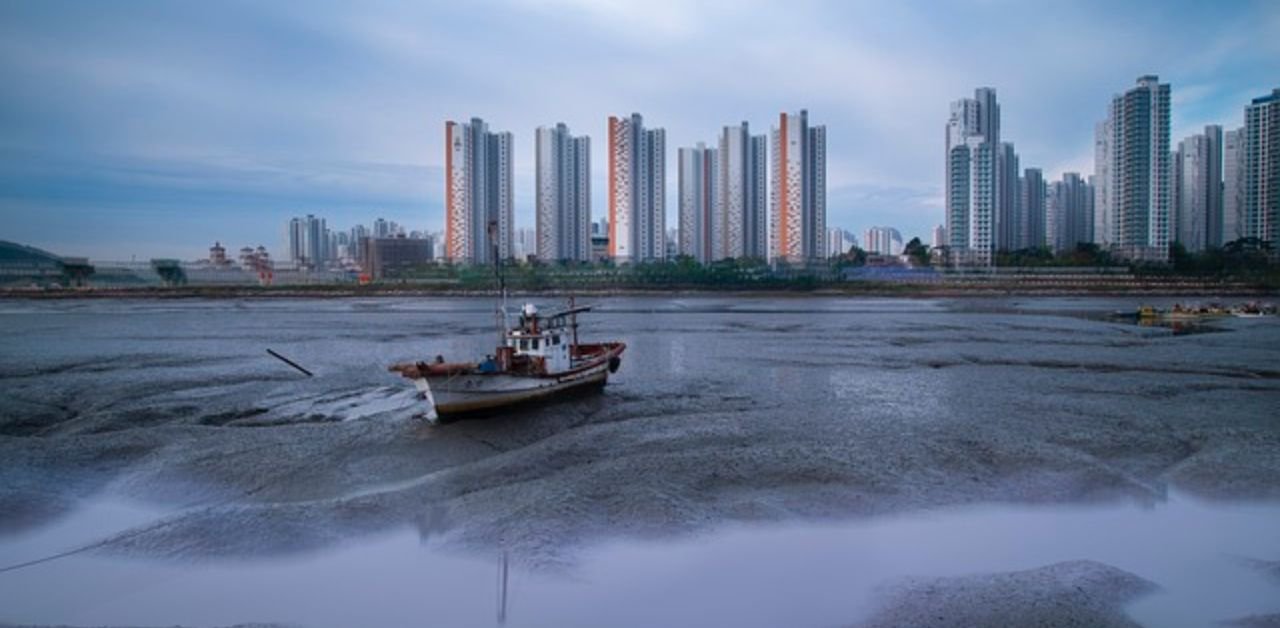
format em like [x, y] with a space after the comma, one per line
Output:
[151, 452]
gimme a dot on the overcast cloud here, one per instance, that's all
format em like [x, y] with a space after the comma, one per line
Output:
[153, 128]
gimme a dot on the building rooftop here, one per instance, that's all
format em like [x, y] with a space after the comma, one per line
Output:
[1272, 97]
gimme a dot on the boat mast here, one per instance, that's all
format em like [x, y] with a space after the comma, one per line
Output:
[501, 314]
[573, 320]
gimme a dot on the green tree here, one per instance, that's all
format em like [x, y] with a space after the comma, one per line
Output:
[917, 252]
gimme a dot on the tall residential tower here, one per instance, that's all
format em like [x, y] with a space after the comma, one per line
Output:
[798, 220]
[1198, 190]
[478, 197]
[1233, 170]
[743, 200]
[637, 190]
[1031, 224]
[1068, 213]
[1009, 198]
[1261, 210]
[973, 177]
[701, 233]
[1136, 170]
[564, 195]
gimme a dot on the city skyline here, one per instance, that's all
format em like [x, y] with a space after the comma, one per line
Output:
[116, 149]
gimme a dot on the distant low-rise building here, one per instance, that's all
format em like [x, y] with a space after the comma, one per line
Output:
[600, 246]
[218, 255]
[883, 241]
[388, 257]
[28, 266]
[837, 242]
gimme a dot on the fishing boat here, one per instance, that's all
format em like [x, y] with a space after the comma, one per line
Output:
[537, 359]
[540, 358]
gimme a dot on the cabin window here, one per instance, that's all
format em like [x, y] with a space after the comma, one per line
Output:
[535, 344]
[524, 345]
[555, 340]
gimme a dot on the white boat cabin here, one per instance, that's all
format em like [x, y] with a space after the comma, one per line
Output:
[548, 338]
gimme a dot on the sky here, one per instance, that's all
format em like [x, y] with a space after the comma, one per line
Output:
[152, 129]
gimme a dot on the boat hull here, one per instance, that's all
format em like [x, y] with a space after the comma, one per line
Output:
[479, 393]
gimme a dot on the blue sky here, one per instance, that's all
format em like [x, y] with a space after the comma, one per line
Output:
[154, 128]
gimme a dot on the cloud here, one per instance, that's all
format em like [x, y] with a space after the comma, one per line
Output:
[289, 106]
[76, 201]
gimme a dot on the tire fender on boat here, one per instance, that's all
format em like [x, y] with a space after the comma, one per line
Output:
[614, 363]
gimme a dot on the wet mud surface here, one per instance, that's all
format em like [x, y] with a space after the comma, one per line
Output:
[725, 411]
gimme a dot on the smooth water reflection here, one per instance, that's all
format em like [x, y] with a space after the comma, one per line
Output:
[767, 575]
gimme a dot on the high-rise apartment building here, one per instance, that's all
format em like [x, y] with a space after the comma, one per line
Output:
[701, 234]
[1008, 213]
[1198, 190]
[1261, 211]
[354, 239]
[1031, 209]
[939, 236]
[564, 195]
[524, 243]
[308, 242]
[973, 178]
[1102, 212]
[742, 209]
[478, 193]
[1136, 212]
[837, 242]
[798, 220]
[1068, 215]
[1233, 169]
[882, 241]
[637, 190]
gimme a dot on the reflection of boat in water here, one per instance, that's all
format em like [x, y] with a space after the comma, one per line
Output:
[502, 592]
[540, 358]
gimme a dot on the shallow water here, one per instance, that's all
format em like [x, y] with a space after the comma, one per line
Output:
[743, 575]
[754, 462]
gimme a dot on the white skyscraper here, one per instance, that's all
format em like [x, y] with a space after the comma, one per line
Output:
[1138, 173]
[837, 243]
[798, 220]
[939, 236]
[701, 234]
[882, 241]
[564, 195]
[637, 190]
[1198, 190]
[478, 196]
[742, 200]
[973, 177]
